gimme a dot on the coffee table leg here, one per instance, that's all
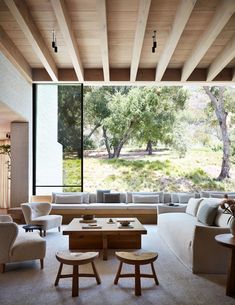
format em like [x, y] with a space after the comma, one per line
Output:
[105, 247]
[75, 281]
[137, 280]
[230, 287]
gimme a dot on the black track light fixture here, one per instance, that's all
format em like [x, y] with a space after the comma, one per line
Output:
[154, 37]
[53, 43]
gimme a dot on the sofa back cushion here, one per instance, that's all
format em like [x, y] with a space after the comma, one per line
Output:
[70, 199]
[100, 195]
[111, 197]
[207, 214]
[129, 195]
[221, 219]
[145, 198]
[193, 205]
[85, 196]
[182, 197]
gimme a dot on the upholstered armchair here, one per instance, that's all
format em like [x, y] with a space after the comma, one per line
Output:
[37, 213]
[17, 246]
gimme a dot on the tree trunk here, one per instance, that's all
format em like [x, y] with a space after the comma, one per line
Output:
[221, 114]
[107, 143]
[93, 130]
[149, 147]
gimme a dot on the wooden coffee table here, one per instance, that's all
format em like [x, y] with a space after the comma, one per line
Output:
[108, 236]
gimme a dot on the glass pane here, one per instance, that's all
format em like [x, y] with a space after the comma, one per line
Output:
[58, 138]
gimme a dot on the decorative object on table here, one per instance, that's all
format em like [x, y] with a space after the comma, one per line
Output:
[228, 205]
[110, 221]
[92, 226]
[124, 223]
[88, 219]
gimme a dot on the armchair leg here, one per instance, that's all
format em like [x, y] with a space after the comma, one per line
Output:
[2, 268]
[41, 263]
[59, 228]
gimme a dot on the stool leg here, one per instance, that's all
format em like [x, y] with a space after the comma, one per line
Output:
[154, 274]
[118, 273]
[58, 274]
[75, 281]
[137, 280]
[96, 273]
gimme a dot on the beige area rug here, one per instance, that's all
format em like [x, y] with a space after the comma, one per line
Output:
[26, 284]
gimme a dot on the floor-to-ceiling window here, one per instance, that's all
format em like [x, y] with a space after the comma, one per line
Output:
[57, 138]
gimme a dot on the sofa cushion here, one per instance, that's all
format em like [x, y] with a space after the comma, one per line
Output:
[68, 199]
[181, 197]
[112, 198]
[100, 195]
[193, 205]
[85, 196]
[142, 206]
[68, 206]
[184, 197]
[145, 198]
[210, 201]
[105, 206]
[207, 214]
[129, 195]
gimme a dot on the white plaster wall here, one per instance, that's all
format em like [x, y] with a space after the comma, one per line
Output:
[16, 93]
[49, 166]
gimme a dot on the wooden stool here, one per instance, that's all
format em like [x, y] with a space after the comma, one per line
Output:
[136, 259]
[76, 259]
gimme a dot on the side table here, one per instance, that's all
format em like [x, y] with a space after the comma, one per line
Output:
[30, 228]
[228, 240]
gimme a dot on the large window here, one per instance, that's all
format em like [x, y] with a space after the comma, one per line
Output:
[57, 138]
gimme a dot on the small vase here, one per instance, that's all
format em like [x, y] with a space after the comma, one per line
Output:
[232, 226]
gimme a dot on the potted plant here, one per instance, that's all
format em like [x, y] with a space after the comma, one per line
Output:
[228, 205]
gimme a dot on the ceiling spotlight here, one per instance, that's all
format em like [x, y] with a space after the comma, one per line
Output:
[154, 37]
[53, 43]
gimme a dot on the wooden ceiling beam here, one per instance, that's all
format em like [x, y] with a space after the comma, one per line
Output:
[222, 60]
[64, 21]
[142, 18]
[9, 49]
[182, 15]
[21, 14]
[223, 13]
[102, 21]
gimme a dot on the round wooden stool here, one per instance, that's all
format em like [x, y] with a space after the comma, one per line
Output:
[136, 259]
[76, 259]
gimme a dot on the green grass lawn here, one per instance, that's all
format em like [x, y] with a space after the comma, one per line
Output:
[163, 170]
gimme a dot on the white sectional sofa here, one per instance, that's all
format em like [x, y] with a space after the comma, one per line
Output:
[192, 241]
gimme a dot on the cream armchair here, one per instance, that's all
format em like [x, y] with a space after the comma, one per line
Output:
[37, 213]
[17, 246]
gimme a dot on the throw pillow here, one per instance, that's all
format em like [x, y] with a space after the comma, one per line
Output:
[193, 205]
[145, 198]
[111, 197]
[100, 195]
[131, 194]
[85, 196]
[207, 214]
[68, 199]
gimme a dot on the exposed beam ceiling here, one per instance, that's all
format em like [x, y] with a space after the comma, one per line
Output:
[64, 22]
[21, 14]
[222, 60]
[223, 13]
[102, 20]
[181, 17]
[142, 18]
[13, 54]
